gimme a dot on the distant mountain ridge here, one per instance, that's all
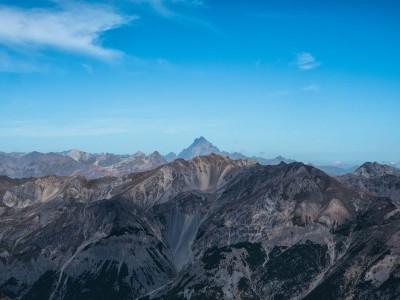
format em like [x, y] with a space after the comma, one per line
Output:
[335, 170]
[96, 165]
[201, 146]
[36, 164]
[93, 165]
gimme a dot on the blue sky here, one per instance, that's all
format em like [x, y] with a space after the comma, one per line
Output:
[308, 80]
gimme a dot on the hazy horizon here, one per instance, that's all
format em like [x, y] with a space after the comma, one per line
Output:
[334, 163]
[315, 82]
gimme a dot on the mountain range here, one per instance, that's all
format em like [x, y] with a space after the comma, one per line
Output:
[67, 163]
[206, 228]
[92, 165]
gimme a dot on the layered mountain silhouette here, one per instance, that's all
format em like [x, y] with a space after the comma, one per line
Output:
[35, 164]
[205, 228]
[72, 162]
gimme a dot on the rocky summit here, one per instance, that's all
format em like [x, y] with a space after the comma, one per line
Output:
[206, 228]
[375, 178]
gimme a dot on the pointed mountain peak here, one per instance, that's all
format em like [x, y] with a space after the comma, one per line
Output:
[200, 146]
[156, 156]
[170, 157]
[201, 141]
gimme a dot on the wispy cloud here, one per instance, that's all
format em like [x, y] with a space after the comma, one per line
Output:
[165, 64]
[101, 127]
[158, 5]
[88, 68]
[190, 2]
[89, 127]
[312, 87]
[168, 9]
[20, 64]
[163, 6]
[306, 61]
[280, 93]
[73, 27]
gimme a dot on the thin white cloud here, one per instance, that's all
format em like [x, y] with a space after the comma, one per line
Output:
[166, 8]
[165, 64]
[312, 87]
[90, 127]
[158, 6]
[10, 64]
[162, 6]
[280, 93]
[74, 28]
[88, 68]
[100, 127]
[196, 3]
[305, 61]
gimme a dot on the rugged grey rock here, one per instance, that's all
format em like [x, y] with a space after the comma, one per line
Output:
[72, 162]
[378, 179]
[208, 228]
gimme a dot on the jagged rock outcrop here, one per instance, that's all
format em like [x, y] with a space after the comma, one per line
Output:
[210, 228]
[378, 179]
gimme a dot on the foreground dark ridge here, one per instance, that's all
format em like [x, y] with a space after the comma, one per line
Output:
[210, 227]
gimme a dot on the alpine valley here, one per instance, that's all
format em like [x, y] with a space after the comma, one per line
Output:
[203, 224]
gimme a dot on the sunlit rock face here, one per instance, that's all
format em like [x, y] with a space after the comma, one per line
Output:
[209, 227]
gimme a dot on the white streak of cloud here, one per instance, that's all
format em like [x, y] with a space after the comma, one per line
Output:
[305, 61]
[88, 68]
[75, 28]
[161, 6]
[100, 127]
[279, 94]
[10, 64]
[313, 87]
[166, 9]
[196, 3]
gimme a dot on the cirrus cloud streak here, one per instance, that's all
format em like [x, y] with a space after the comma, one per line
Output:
[70, 27]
